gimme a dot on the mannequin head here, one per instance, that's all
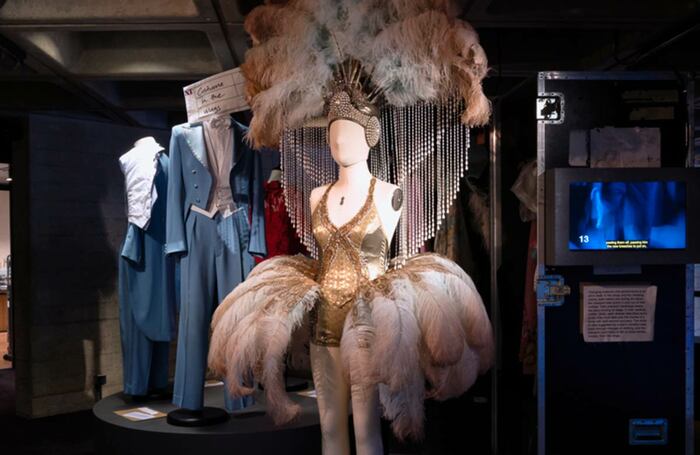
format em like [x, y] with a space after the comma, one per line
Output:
[348, 142]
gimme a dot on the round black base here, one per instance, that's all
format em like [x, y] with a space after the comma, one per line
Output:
[249, 430]
[200, 418]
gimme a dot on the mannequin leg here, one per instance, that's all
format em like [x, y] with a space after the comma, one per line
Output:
[366, 420]
[332, 395]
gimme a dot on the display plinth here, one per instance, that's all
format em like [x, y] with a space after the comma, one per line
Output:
[249, 430]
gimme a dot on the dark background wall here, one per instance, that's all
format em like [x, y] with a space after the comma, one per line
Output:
[68, 228]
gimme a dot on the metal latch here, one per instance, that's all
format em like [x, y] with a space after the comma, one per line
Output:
[551, 290]
[644, 432]
[550, 108]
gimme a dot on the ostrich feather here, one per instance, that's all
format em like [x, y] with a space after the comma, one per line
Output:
[409, 63]
[439, 320]
[403, 8]
[275, 334]
[268, 306]
[259, 344]
[294, 273]
[452, 381]
[424, 322]
[242, 353]
[395, 354]
[471, 310]
[416, 51]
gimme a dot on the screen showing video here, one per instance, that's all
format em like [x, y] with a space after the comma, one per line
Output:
[627, 215]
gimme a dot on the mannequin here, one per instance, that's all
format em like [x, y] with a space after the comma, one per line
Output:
[215, 226]
[350, 150]
[412, 331]
[147, 281]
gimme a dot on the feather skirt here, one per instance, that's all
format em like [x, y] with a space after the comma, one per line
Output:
[417, 332]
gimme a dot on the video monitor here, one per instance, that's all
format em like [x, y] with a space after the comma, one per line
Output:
[627, 215]
[622, 216]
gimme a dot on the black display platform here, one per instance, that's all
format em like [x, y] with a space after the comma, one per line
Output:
[249, 431]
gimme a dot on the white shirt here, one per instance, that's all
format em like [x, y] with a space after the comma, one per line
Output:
[218, 137]
[139, 166]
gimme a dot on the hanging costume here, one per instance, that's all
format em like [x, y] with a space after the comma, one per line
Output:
[399, 328]
[146, 275]
[215, 221]
[279, 232]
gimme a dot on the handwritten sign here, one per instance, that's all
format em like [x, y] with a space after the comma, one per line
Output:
[219, 94]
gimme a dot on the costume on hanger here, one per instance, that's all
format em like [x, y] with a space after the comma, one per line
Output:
[455, 239]
[280, 236]
[525, 189]
[216, 224]
[147, 278]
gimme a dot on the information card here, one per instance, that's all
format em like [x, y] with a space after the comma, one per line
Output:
[618, 313]
[222, 93]
[139, 414]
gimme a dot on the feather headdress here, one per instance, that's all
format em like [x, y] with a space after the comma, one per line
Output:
[415, 60]
[414, 51]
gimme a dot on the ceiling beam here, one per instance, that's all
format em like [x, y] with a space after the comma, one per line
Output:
[37, 60]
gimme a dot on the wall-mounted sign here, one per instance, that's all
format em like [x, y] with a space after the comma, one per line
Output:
[222, 93]
[618, 313]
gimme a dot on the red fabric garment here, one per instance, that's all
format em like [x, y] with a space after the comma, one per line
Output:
[280, 235]
[528, 337]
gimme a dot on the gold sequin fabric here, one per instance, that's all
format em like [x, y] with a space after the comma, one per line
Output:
[351, 256]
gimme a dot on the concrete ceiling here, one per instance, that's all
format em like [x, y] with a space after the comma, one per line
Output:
[128, 60]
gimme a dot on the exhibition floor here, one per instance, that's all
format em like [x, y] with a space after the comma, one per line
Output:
[67, 434]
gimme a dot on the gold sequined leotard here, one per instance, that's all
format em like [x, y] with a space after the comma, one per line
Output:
[351, 255]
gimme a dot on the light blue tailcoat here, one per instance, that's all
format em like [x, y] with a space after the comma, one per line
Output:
[216, 254]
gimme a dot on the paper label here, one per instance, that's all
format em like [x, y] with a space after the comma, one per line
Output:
[137, 415]
[222, 93]
[213, 383]
[618, 313]
[140, 414]
[625, 147]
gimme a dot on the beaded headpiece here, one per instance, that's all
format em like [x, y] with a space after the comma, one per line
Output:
[348, 100]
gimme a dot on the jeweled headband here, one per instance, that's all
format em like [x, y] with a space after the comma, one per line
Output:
[365, 115]
[351, 99]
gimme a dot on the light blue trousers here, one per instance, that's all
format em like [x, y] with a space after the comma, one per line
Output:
[217, 260]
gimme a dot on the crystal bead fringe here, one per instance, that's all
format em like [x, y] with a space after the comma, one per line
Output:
[423, 149]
